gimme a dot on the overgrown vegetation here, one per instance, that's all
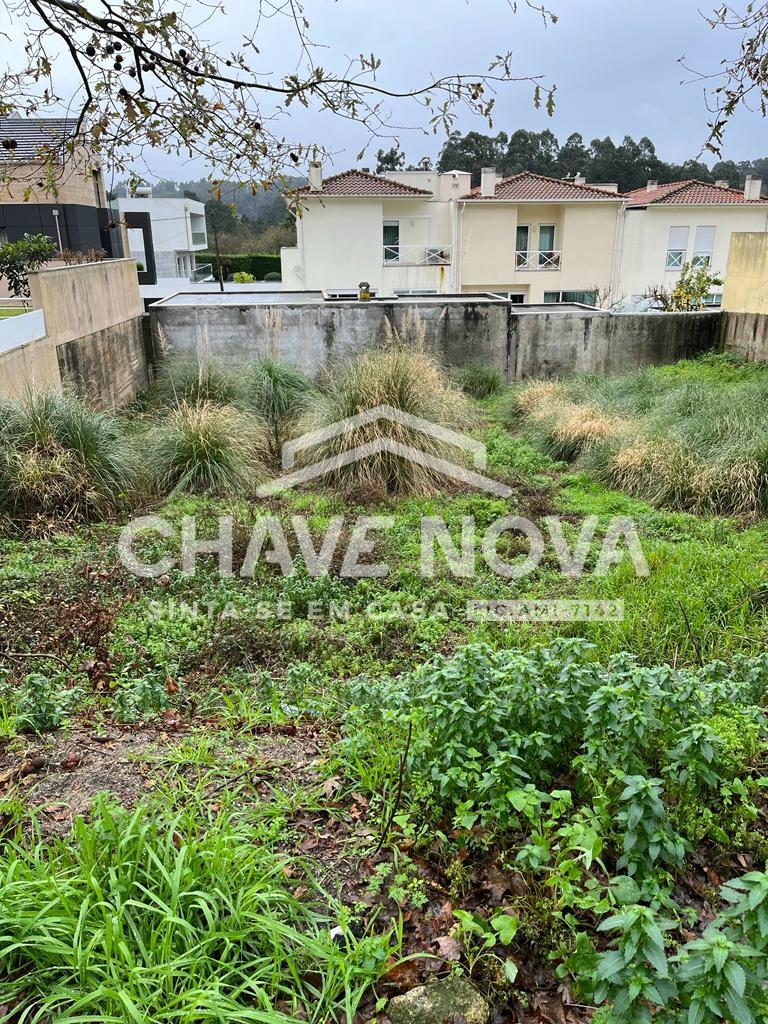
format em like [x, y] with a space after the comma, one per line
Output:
[691, 436]
[340, 788]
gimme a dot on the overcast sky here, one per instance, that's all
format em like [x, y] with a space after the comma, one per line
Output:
[615, 65]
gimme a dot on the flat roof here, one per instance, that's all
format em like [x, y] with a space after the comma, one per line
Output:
[274, 298]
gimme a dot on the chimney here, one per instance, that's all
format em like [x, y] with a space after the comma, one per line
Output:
[579, 179]
[722, 183]
[652, 185]
[488, 182]
[315, 176]
[753, 188]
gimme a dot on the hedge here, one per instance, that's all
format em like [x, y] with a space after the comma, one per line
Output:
[257, 264]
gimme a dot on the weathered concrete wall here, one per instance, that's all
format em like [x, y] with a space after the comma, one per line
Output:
[30, 366]
[315, 335]
[108, 367]
[93, 318]
[521, 345]
[746, 334]
[556, 344]
[746, 280]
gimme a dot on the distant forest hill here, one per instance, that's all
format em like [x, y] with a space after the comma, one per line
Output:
[631, 164]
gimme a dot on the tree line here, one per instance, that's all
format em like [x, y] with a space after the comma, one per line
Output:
[630, 163]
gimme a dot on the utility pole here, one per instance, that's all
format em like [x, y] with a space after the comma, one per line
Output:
[218, 254]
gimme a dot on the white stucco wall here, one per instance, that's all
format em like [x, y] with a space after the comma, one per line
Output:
[646, 236]
[340, 244]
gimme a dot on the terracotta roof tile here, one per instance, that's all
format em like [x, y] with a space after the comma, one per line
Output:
[680, 193]
[361, 183]
[530, 187]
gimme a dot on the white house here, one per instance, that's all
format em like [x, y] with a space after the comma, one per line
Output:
[178, 232]
[665, 226]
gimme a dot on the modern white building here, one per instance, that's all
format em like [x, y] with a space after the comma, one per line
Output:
[178, 232]
[666, 226]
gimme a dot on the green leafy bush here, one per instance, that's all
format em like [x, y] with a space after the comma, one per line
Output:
[187, 381]
[690, 436]
[61, 460]
[256, 264]
[277, 392]
[206, 448]
[241, 277]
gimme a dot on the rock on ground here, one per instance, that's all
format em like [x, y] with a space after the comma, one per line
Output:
[439, 1002]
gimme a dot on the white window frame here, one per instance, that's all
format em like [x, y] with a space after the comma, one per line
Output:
[676, 256]
[702, 253]
[523, 256]
[391, 222]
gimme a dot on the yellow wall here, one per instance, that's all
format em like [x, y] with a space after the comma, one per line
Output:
[584, 233]
[746, 280]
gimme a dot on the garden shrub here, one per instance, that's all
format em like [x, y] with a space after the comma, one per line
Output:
[406, 379]
[186, 381]
[259, 265]
[206, 448]
[60, 460]
[277, 392]
[478, 381]
[690, 436]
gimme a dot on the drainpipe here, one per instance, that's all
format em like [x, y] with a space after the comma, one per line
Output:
[456, 268]
[618, 249]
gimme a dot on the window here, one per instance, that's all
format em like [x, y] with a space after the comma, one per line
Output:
[516, 298]
[714, 300]
[547, 254]
[522, 239]
[703, 245]
[586, 298]
[391, 241]
[677, 247]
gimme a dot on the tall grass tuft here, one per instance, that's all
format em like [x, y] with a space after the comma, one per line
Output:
[206, 448]
[185, 381]
[135, 917]
[60, 460]
[277, 392]
[407, 380]
[478, 381]
[690, 436]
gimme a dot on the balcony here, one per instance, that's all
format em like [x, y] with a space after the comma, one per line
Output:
[417, 255]
[203, 272]
[199, 238]
[542, 260]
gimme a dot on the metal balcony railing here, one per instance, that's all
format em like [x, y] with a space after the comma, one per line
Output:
[417, 255]
[544, 259]
[199, 238]
[202, 272]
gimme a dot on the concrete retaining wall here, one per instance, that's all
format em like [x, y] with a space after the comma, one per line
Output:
[93, 334]
[746, 334]
[488, 332]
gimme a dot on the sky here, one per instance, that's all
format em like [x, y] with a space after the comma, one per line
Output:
[615, 65]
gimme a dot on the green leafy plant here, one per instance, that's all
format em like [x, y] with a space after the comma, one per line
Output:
[43, 702]
[242, 277]
[277, 392]
[61, 460]
[404, 379]
[478, 381]
[19, 259]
